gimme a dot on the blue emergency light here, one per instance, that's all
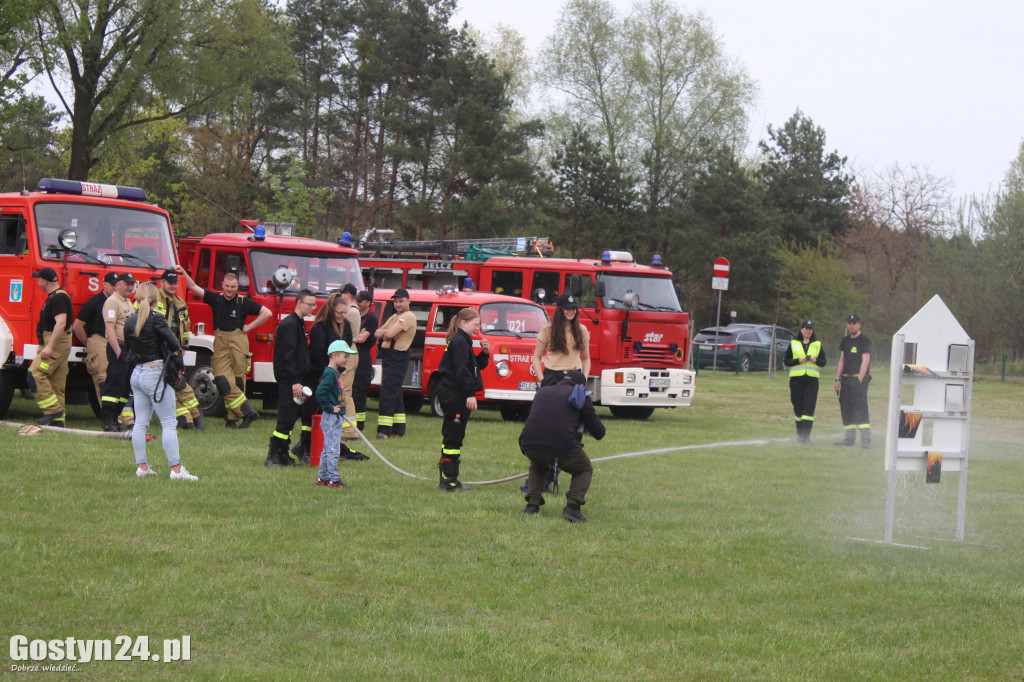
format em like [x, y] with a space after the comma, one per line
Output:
[259, 233]
[467, 284]
[90, 189]
[656, 259]
[345, 239]
[606, 257]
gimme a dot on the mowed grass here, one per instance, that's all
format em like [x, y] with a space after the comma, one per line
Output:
[730, 562]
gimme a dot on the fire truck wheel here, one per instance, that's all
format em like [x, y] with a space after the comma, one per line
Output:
[413, 402]
[211, 403]
[6, 391]
[515, 412]
[623, 412]
[435, 402]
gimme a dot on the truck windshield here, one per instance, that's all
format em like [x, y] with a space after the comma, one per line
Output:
[320, 274]
[112, 235]
[656, 293]
[511, 319]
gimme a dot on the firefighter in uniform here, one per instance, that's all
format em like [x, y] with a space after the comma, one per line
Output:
[853, 375]
[116, 310]
[396, 336]
[172, 306]
[89, 329]
[231, 357]
[291, 365]
[365, 342]
[805, 358]
[49, 369]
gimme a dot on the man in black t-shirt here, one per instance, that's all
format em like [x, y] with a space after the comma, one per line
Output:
[230, 361]
[852, 379]
[90, 330]
[49, 369]
[365, 342]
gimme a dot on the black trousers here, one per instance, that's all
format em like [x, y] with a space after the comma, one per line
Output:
[391, 410]
[803, 393]
[575, 463]
[853, 402]
[361, 383]
[116, 386]
[453, 424]
[287, 412]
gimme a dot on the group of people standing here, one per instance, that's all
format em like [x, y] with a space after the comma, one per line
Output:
[805, 358]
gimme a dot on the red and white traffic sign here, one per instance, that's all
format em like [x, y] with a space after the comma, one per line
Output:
[721, 267]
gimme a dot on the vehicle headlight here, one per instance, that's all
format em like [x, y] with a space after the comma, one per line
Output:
[687, 378]
[68, 239]
[631, 378]
[502, 369]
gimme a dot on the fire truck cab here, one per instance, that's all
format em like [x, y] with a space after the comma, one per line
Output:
[510, 326]
[271, 270]
[639, 334]
[83, 231]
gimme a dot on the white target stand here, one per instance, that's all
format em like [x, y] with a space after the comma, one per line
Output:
[928, 427]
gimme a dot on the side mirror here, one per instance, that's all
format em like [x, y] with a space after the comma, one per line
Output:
[576, 285]
[599, 289]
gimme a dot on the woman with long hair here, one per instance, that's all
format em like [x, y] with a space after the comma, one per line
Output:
[563, 345]
[460, 381]
[326, 330]
[149, 340]
[805, 357]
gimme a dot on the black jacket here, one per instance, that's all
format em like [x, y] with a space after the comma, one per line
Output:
[321, 336]
[153, 341]
[291, 351]
[459, 368]
[553, 422]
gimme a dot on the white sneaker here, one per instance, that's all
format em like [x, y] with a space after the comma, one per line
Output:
[142, 473]
[183, 475]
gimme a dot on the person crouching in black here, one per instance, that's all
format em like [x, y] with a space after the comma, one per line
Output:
[560, 414]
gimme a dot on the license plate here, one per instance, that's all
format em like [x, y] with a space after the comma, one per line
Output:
[706, 347]
[527, 385]
[659, 383]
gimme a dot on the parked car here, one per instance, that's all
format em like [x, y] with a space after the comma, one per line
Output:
[749, 345]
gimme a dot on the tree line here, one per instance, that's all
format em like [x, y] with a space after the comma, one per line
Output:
[381, 115]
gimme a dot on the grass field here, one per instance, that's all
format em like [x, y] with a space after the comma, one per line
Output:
[711, 563]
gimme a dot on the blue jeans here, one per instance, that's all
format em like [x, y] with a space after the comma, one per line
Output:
[330, 426]
[144, 384]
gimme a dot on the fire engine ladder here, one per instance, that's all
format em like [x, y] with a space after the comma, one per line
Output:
[469, 249]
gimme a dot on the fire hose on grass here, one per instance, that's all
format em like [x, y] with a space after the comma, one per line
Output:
[659, 451]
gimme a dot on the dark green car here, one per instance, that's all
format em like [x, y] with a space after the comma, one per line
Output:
[743, 346]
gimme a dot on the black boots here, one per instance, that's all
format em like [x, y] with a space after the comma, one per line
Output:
[572, 514]
[803, 431]
[865, 438]
[277, 454]
[301, 449]
[449, 481]
[850, 438]
[249, 415]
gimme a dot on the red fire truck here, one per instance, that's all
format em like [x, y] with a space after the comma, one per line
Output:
[271, 269]
[510, 326]
[639, 334]
[82, 230]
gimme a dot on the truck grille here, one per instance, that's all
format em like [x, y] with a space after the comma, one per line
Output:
[652, 353]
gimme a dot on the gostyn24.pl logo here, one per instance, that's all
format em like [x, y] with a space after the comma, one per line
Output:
[122, 648]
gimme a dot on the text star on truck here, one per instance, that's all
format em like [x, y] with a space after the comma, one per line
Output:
[639, 334]
[82, 230]
[271, 270]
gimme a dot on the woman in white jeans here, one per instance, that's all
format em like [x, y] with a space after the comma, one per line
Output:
[147, 335]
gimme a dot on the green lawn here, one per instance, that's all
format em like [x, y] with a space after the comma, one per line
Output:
[711, 563]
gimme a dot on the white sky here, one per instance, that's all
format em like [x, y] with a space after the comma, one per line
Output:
[936, 84]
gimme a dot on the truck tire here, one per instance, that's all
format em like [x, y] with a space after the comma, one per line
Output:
[625, 412]
[6, 391]
[413, 402]
[211, 403]
[514, 412]
[435, 402]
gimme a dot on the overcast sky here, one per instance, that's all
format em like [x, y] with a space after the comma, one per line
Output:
[936, 84]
